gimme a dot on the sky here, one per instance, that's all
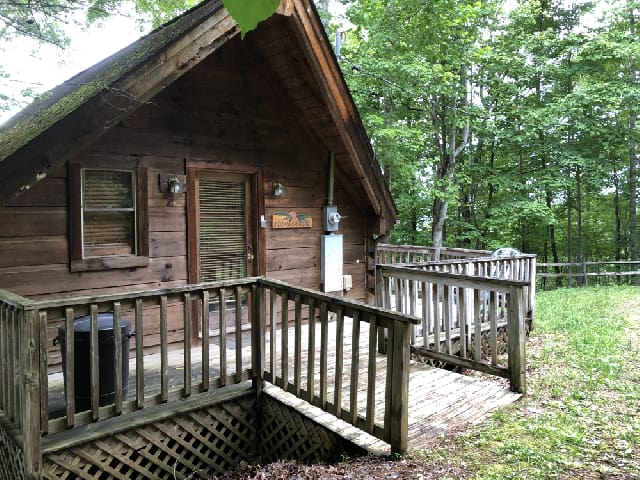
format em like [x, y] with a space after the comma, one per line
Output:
[42, 67]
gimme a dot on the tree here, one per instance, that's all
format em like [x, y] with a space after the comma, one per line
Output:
[410, 69]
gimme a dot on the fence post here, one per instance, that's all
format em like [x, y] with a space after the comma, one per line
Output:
[258, 322]
[30, 383]
[516, 341]
[258, 325]
[397, 402]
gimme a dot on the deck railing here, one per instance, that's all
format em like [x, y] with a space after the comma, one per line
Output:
[462, 316]
[461, 325]
[247, 311]
[336, 388]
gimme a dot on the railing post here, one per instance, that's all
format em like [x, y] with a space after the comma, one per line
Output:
[516, 341]
[258, 322]
[30, 382]
[397, 401]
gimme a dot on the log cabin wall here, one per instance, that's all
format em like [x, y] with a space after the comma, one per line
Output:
[229, 111]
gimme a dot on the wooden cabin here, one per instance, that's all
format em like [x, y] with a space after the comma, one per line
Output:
[193, 156]
[220, 196]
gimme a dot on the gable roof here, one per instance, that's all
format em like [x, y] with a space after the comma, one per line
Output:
[45, 134]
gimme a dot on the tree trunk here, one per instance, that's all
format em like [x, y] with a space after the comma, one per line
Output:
[580, 253]
[633, 163]
[552, 240]
[616, 208]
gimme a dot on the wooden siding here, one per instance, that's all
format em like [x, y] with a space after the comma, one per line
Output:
[227, 112]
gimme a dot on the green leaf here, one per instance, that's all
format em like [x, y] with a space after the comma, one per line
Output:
[248, 13]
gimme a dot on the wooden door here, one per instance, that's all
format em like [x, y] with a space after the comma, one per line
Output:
[222, 239]
[225, 236]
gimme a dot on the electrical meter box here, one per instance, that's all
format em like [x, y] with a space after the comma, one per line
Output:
[330, 218]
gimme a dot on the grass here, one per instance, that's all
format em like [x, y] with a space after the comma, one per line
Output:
[581, 417]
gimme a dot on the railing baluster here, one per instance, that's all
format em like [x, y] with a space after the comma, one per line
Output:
[447, 303]
[12, 369]
[436, 316]
[477, 322]
[412, 308]
[187, 345]
[4, 365]
[463, 307]
[238, 334]
[284, 329]
[324, 352]
[44, 384]
[139, 354]
[222, 299]
[493, 327]
[371, 375]
[297, 356]
[337, 393]
[164, 355]
[312, 352]
[117, 359]
[204, 327]
[425, 313]
[355, 368]
[95, 362]
[272, 334]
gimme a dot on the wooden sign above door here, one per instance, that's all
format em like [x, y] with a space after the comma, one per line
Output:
[291, 220]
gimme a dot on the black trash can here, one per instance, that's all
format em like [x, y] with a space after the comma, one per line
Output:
[106, 358]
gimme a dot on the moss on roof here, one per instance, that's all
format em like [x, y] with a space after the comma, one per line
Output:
[59, 102]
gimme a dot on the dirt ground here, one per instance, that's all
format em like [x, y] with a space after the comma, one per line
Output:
[353, 469]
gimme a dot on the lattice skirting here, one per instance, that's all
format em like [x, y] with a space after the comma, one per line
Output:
[194, 444]
[11, 458]
[286, 434]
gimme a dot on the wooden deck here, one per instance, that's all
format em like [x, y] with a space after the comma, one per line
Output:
[440, 401]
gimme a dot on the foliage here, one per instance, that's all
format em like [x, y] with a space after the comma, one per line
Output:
[546, 95]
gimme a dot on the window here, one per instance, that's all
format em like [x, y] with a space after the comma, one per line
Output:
[108, 218]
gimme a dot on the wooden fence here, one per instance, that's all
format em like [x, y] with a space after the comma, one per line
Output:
[565, 274]
[266, 304]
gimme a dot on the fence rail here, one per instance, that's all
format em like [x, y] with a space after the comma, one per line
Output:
[556, 274]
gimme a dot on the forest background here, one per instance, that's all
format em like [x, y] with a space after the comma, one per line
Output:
[496, 125]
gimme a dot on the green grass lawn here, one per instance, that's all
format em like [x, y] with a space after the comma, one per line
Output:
[581, 416]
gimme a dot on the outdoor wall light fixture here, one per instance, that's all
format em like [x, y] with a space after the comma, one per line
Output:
[278, 188]
[174, 185]
[171, 184]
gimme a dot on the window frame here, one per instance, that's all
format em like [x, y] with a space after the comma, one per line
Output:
[78, 261]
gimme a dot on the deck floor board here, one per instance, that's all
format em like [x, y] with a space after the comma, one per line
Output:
[440, 401]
